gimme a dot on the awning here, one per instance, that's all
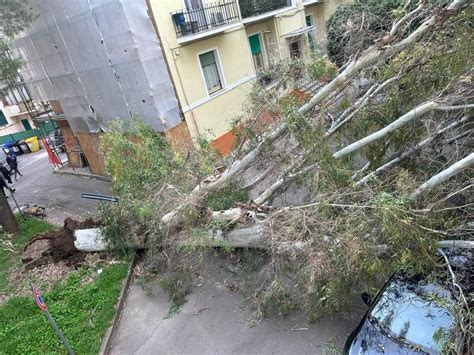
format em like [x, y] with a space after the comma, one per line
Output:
[298, 32]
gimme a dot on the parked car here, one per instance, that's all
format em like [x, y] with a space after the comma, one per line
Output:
[411, 314]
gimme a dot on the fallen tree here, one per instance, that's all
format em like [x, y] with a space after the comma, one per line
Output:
[290, 191]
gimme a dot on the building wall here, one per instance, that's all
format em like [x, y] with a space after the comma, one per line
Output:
[321, 13]
[212, 115]
[14, 119]
[204, 113]
[90, 145]
[101, 60]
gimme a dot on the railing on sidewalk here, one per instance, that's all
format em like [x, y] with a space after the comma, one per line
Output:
[249, 8]
[205, 17]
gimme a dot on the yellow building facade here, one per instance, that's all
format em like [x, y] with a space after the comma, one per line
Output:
[216, 50]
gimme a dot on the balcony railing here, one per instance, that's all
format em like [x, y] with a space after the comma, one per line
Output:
[205, 17]
[249, 8]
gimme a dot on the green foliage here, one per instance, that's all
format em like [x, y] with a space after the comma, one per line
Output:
[226, 198]
[83, 312]
[9, 66]
[430, 69]
[343, 37]
[136, 156]
[177, 294]
[15, 15]
[276, 300]
[9, 258]
[321, 69]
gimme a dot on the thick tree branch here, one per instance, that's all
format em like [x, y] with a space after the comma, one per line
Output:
[405, 19]
[360, 104]
[415, 113]
[425, 142]
[446, 174]
[283, 180]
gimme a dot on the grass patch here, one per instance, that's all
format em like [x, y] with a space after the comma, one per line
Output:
[83, 304]
[83, 313]
[9, 259]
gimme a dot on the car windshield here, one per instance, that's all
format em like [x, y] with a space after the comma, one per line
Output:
[415, 313]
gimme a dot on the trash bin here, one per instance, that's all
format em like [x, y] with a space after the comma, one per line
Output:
[13, 146]
[33, 144]
[23, 147]
[7, 147]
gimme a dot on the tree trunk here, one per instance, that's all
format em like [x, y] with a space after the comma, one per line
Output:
[7, 218]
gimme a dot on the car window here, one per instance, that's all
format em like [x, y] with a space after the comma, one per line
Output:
[415, 313]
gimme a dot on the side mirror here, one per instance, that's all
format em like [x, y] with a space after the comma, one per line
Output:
[366, 298]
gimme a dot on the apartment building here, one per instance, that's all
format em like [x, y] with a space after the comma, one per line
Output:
[185, 67]
[216, 50]
[14, 115]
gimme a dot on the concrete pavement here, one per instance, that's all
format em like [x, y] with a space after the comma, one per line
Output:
[60, 194]
[216, 321]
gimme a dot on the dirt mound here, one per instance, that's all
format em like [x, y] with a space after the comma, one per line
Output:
[55, 246]
[72, 225]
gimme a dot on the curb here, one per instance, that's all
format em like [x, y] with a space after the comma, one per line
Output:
[90, 176]
[110, 333]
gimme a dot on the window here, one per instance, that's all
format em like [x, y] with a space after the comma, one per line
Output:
[210, 71]
[257, 54]
[3, 119]
[311, 34]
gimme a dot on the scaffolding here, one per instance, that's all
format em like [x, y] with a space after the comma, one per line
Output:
[101, 59]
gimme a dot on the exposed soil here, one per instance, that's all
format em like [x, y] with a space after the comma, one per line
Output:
[56, 246]
[51, 256]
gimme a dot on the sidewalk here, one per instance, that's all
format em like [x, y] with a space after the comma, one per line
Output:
[214, 321]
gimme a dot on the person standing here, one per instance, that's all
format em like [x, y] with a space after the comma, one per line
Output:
[6, 176]
[5, 173]
[13, 164]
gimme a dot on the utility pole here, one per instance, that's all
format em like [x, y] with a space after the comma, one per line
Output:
[7, 218]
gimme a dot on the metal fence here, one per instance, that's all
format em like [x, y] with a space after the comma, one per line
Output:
[205, 17]
[250, 8]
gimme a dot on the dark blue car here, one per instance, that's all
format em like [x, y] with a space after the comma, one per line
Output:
[410, 315]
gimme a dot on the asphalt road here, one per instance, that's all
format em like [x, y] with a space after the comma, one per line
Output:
[60, 194]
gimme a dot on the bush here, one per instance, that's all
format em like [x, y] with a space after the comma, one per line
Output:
[136, 156]
[322, 69]
[344, 36]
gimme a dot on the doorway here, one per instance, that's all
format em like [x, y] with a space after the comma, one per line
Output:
[257, 52]
[295, 50]
[26, 124]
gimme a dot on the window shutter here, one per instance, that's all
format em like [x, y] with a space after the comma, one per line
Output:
[255, 44]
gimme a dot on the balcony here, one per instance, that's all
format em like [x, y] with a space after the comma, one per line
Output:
[249, 8]
[205, 17]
